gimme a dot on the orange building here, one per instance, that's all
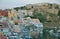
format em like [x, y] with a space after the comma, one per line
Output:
[3, 13]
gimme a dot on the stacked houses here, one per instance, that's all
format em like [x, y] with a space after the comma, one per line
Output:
[15, 26]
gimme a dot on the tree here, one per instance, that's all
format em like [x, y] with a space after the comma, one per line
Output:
[39, 16]
[59, 13]
[17, 8]
[23, 8]
[56, 7]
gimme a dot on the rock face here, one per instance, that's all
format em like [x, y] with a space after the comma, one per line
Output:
[45, 7]
[49, 13]
[48, 10]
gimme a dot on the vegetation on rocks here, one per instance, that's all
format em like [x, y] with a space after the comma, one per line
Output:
[47, 18]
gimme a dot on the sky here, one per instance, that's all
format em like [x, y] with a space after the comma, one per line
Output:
[5, 4]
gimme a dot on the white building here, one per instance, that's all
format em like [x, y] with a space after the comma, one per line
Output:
[25, 12]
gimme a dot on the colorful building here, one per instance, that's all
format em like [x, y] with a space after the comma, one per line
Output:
[3, 13]
[4, 27]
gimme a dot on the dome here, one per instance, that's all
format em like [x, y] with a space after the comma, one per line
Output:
[28, 18]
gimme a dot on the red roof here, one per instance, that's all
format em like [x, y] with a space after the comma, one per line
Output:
[3, 25]
[36, 20]
[3, 37]
[3, 13]
[19, 21]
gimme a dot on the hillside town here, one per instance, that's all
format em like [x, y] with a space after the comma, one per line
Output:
[37, 21]
[13, 25]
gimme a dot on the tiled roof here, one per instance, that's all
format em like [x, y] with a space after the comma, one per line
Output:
[16, 29]
[3, 37]
[3, 25]
[36, 20]
[19, 21]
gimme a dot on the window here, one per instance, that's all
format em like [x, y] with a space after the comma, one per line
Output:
[1, 29]
[14, 38]
[18, 17]
[16, 23]
[23, 13]
[0, 24]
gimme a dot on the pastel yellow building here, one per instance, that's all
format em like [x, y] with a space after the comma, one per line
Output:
[1, 33]
[10, 15]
